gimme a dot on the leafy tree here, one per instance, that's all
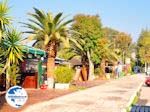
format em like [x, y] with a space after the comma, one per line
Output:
[120, 42]
[124, 42]
[111, 34]
[49, 31]
[89, 28]
[144, 46]
[106, 53]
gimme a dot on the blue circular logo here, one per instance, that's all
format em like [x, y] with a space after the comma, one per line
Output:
[16, 96]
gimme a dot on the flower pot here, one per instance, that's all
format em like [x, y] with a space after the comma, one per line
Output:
[61, 85]
[43, 87]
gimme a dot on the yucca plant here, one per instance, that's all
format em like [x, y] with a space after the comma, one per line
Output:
[13, 72]
[4, 18]
[13, 51]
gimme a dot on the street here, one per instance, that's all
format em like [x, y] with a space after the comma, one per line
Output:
[112, 96]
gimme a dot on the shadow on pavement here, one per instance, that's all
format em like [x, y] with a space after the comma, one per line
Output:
[142, 102]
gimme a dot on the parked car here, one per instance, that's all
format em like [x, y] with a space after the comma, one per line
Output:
[147, 81]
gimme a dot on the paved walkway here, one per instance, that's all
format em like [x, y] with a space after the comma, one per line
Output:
[112, 96]
[144, 96]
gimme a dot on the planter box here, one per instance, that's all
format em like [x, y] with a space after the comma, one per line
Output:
[61, 85]
[108, 75]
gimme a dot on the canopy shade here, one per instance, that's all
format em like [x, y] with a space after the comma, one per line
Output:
[35, 51]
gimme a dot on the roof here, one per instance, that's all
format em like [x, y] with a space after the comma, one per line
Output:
[42, 53]
[75, 62]
[35, 51]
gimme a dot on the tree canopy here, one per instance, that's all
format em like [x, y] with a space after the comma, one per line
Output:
[144, 46]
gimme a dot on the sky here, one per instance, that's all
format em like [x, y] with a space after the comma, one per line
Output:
[128, 16]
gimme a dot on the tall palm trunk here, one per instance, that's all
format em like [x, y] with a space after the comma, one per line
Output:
[52, 50]
[91, 67]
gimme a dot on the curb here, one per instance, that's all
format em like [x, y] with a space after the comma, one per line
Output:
[132, 98]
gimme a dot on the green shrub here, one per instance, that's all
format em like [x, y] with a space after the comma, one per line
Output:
[63, 74]
[122, 74]
[97, 71]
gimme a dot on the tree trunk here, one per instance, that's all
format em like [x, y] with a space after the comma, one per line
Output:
[145, 67]
[102, 69]
[0, 35]
[91, 67]
[52, 50]
[7, 80]
[84, 72]
[77, 74]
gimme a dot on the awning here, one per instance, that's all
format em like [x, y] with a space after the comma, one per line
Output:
[35, 51]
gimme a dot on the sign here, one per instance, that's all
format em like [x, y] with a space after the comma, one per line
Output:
[16, 96]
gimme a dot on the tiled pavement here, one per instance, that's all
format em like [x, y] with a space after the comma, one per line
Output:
[112, 96]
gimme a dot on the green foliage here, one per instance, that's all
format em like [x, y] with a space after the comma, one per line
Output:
[105, 50]
[144, 46]
[11, 56]
[13, 72]
[120, 42]
[45, 28]
[4, 18]
[65, 54]
[12, 46]
[77, 48]
[89, 29]
[97, 71]
[63, 74]
[87, 25]
[110, 33]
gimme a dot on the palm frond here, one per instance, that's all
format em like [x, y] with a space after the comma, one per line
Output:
[57, 18]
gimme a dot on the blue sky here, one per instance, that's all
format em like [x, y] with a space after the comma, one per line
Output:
[129, 16]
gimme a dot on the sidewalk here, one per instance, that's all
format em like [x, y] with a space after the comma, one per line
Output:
[144, 98]
[110, 97]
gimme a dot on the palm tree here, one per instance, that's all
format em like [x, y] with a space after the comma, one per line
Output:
[50, 31]
[4, 18]
[13, 51]
[77, 48]
[106, 53]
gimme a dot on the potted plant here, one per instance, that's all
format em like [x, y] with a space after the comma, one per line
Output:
[63, 76]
